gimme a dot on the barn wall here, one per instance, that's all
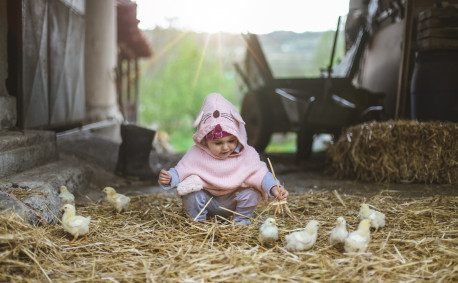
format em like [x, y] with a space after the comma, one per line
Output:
[7, 102]
[380, 65]
[65, 63]
[45, 41]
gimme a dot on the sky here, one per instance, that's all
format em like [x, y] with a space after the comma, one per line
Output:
[237, 16]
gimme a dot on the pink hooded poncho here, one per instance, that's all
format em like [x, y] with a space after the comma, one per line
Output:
[222, 176]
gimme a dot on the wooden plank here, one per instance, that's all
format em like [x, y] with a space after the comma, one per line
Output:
[437, 12]
[437, 43]
[438, 33]
[438, 23]
[256, 52]
[401, 109]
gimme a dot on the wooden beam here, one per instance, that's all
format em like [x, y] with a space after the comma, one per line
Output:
[406, 58]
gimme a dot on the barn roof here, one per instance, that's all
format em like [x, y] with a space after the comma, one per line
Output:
[131, 40]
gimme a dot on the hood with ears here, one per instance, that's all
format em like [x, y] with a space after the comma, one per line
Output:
[217, 110]
[221, 176]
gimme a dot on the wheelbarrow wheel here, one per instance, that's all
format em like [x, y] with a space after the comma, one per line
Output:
[256, 119]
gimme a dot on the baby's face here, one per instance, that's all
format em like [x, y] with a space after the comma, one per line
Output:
[222, 147]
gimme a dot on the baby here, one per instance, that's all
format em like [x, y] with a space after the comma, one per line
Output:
[222, 166]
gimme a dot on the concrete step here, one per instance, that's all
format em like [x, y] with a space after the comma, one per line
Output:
[85, 165]
[22, 150]
[34, 194]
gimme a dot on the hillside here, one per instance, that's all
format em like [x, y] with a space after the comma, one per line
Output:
[290, 54]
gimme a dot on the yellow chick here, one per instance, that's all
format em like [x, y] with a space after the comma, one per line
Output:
[303, 240]
[119, 201]
[74, 224]
[376, 217]
[66, 196]
[268, 232]
[339, 233]
[358, 240]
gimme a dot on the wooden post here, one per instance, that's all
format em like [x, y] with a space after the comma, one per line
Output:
[128, 92]
[406, 58]
[137, 73]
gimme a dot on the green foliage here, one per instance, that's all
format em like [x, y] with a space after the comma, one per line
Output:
[290, 54]
[323, 51]
[181, 141]
[281, 142]
[173, 97]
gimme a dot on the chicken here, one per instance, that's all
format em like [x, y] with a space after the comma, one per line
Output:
[358, 240]
[339, 233]
[303, 240]
[74, 224]
[268, 233]
[66, 196]
[119, 201]
[376, 217]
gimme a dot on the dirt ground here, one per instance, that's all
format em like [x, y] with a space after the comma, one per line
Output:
[311, 175]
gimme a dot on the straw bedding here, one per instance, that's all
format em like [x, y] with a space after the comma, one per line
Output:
[398, 151]
[155, 241]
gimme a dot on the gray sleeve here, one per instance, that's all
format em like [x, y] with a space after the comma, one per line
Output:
[268, 182]
[174, 182]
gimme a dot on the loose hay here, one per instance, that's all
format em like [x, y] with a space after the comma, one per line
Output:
[21, 193]
[398, 151]
[156, 241]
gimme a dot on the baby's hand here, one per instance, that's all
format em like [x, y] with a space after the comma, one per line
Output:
[165, 178]
[282, 195]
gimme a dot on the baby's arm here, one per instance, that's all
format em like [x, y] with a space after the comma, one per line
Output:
[168, 179]
[270, 187]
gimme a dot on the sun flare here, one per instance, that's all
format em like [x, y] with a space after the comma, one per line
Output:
[241, 15]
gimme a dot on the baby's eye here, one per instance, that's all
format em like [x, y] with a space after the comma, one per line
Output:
[218, 143]
[231, 141]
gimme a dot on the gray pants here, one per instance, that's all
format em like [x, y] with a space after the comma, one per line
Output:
[243, 201]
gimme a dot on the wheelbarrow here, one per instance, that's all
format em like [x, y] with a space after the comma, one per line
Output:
[307, 106]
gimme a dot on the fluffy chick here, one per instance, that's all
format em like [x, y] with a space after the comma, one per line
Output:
[376, 217]
[303, 240]
[119, 201]
[66, 197]
[358, 240]
[339, 233]
[74, 224]
[268, 232]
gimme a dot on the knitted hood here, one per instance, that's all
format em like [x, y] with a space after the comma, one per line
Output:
[217, 110]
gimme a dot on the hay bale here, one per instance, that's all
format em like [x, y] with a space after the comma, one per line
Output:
[398, 151]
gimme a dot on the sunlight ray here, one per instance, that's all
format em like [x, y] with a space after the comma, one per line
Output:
[168, 47]
[199, 68]
[164, 50]
[157, 56]
[220, 59]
